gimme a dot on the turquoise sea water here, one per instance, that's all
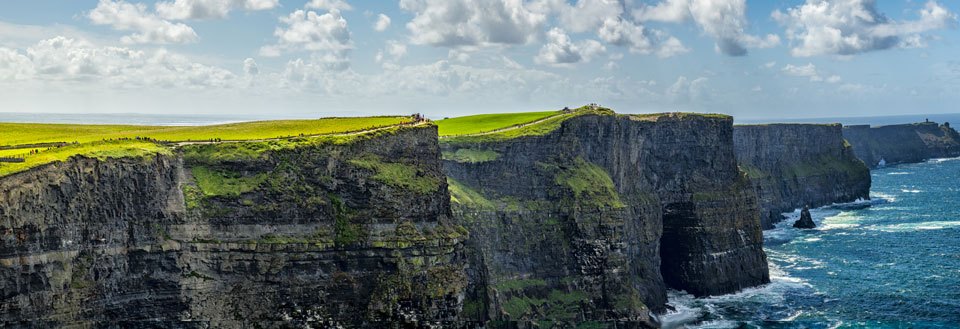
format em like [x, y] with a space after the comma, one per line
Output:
[894, 264]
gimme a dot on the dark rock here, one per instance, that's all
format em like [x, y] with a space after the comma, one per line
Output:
[906, 143]
[805, 221]
[793, 165]
[323, 240]
[600, 216]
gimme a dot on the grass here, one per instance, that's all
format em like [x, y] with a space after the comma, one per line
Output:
[399, 174]
[116, 141]
[98, 150]
[488, 122]
[589, 182]
[223, 183]
[547, 124]
[30, 133]
[468, 155]
[463, 195]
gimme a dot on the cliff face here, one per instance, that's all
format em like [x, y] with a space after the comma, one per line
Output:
[907, 143]
[594, 220]
[349, 231]
[796, 165]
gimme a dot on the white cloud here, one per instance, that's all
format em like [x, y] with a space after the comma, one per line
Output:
[684, 90]
[394, 49]
[582, 16]
[67, 60]
[329, 5]
[723, 20]
[14, 65]
[149, 27]
[327, 36]
[638, 39]
[561, 51]
[209, 9]
[250, 67]
[382, 24]
[809, 71]
[458, 23]
[849, 27]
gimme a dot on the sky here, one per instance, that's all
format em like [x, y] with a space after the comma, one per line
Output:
[307, 58]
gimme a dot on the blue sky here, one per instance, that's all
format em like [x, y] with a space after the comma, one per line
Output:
[276, 58]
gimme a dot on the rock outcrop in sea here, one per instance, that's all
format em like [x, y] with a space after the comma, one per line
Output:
[795, 165]
[806, 220]
[906, 143]
[596, 219]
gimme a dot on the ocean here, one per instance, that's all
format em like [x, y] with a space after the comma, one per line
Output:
[891, 262]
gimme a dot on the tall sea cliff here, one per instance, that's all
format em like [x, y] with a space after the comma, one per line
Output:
[906, 143]
[350, 232]
[589, 219]
[797, 165]
[594, 220]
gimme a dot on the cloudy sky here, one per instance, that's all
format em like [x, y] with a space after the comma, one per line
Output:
[752, 59]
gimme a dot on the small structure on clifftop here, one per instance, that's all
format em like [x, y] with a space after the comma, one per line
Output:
[805, 221]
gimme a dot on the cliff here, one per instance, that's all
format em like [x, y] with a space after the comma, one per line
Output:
[907, 143]
[349, 230]
[593, 219]
[797, 165]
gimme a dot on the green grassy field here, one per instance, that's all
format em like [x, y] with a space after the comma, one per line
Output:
[488, 122]
[114, 141]
[29, 133]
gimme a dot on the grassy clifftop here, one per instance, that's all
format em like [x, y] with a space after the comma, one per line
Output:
[26, 145]
[475, 129]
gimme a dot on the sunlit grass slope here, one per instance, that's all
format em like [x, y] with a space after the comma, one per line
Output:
[100, 150]
[488, 122]
[28, 133]
[542, 124]
[39, 144]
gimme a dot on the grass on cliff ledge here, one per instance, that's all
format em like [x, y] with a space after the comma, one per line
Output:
[98, 150]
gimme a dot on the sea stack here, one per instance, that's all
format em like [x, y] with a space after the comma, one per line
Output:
[805, 221]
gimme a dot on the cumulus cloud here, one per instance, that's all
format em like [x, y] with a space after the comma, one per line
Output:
[809, 71]
[327, 36]
[329, 5]
[148, 27]
[250, 67]
[685, 90]
[382, 23]
[458, 23]
[849, 27]
[610, 20]
[209, 9]
[561, 51]
[723, 20]
[638, 39]
[393, 51]
[74, 60]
